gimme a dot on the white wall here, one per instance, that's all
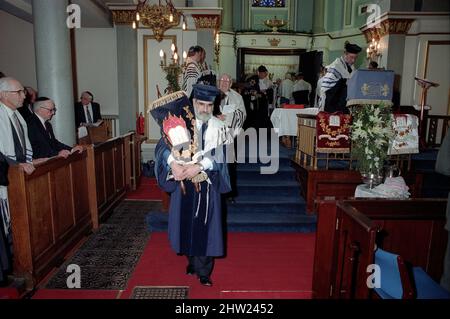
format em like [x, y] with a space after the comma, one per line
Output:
[96, 50]
[17, 57]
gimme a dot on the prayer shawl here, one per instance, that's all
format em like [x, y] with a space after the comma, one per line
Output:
[190, 76]
[7, 149]
[335, 72]
[234, 120]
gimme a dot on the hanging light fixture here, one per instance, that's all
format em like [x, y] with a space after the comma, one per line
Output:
[158, 17]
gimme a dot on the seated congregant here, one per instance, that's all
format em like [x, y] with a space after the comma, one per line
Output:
[40, 132]
[27, 108]
[87, 111]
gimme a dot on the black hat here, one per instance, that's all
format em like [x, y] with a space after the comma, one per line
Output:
[262, 68]
[352, 48]
[206, 93]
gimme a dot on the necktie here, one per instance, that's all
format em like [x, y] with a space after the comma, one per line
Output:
[49, 129]
[203, 132]
[19, 131]
[89, 116]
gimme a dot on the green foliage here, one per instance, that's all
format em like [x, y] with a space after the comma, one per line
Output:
[173, 72]
[371, 133]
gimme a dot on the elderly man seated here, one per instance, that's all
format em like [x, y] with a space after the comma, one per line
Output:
[40, 132]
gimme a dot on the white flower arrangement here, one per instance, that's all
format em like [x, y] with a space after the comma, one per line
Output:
[371, 132]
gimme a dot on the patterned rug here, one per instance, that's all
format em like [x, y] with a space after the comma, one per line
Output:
[108, 257]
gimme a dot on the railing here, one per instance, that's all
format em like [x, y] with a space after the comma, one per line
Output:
[437, 126]
[111, 122]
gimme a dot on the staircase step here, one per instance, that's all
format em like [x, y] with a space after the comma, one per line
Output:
[272, 228]
[256, 208]
[273, 194]
[253, 176]
[271, 218]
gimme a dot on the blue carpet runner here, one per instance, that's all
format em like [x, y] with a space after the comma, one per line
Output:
[263, 203]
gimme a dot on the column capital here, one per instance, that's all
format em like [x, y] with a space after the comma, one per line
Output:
[123, 16]
[386, 27]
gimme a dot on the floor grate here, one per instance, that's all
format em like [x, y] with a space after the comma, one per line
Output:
[160, 293]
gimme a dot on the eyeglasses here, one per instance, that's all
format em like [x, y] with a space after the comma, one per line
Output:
[18, 91]
[53, 110]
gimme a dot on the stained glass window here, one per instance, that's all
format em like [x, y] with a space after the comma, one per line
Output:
[269, 3]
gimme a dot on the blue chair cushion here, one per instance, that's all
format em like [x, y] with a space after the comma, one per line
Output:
[426, 287]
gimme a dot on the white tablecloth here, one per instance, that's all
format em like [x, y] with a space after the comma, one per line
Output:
[285, 120]
[363, 191]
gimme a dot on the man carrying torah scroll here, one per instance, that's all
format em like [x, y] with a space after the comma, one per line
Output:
[190, 164]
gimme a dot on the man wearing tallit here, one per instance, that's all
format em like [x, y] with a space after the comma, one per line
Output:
[190, 165]
[334, 83]
[15, 149]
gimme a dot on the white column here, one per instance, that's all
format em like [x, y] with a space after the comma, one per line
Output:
[54, 64]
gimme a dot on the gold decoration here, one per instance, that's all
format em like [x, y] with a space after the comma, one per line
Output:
[386, 27]
[159, 18]
[123, 16]
[275, 23]
[274, 42]
[207, 21]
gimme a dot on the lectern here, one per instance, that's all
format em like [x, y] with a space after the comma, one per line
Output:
[93, 133]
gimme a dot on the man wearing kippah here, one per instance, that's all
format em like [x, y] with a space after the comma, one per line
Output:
[195, 215]
[334, 83]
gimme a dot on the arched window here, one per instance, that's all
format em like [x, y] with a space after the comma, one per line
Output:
[269, 3]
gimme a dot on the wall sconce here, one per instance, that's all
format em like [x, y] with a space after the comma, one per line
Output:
[373, 50]
[174, 69]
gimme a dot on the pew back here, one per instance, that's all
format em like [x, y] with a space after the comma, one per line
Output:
[349, 231]
[51, 210]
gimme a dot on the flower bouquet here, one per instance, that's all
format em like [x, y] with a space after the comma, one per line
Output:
[371, 133]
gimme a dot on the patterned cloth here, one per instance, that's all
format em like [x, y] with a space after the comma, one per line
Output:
[333, 132]
[406, 139]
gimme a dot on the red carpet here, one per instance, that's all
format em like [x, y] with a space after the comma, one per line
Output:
[258, 265]
[147, 190]
[9, 293]
[75, 294]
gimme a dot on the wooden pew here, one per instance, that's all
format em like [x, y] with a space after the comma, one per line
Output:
[349, 230]
[51, 210]
[317, 184]
[64, 200]
[111, 163]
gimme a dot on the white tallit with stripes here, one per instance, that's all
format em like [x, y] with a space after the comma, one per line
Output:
[335, 71]
[7, 149]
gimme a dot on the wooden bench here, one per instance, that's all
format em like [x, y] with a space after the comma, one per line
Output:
[64, 200]
[348, 232]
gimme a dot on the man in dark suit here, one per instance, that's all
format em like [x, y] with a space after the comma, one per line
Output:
[27, 108]
[40, 132]
[87, 111]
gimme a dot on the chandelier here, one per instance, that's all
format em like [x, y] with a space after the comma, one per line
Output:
[373, 50]
[275, 23]
[158, 17]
